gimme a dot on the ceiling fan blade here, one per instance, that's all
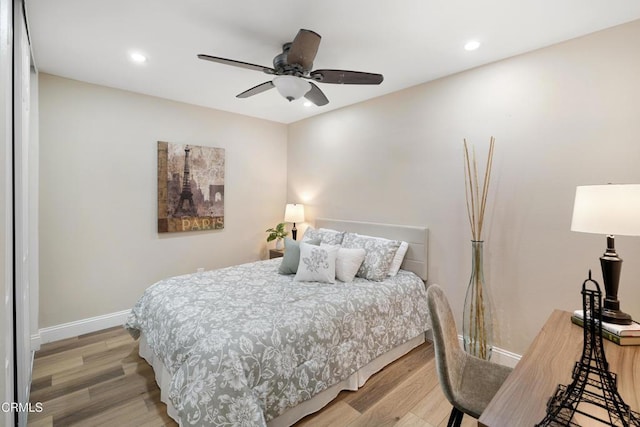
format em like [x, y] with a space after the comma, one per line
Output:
[303, 49]
[346, 77]
[235, 63]
[262, 87]
[316, 96]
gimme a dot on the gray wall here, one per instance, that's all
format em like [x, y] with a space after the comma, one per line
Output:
[562, 116]
[99, 248]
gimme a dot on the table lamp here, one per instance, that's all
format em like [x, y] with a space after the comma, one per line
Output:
[609, 209]
[294, 213]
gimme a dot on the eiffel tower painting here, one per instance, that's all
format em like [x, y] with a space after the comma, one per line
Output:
[593, 392]
[190, 187]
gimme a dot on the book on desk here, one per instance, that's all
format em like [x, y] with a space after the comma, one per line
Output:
[619, 334]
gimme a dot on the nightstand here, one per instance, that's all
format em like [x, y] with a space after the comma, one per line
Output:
[276, 253]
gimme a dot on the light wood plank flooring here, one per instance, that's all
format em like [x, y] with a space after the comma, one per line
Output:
[98, 379]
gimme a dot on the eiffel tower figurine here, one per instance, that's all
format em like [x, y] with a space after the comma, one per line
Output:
[593, 384]
[186, 196]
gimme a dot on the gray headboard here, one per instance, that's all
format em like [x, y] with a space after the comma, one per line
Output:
[417, 237]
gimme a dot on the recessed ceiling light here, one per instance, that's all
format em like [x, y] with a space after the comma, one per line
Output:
[472, 45]
[307, 103]
[138, 57]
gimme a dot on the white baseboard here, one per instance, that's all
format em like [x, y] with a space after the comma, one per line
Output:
[36, 341]
[499, 355]
[79, 327]
[505, 357]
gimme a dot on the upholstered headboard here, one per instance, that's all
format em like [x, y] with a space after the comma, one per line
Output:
[417, 237]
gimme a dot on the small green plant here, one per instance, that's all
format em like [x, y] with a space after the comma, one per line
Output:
[276, 233]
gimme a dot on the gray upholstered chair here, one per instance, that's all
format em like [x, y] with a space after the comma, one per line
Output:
[468, 383]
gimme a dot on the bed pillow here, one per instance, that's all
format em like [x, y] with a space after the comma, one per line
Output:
[398, 258]
[310, 233]
[291, 258]
[348, 262]
[379, 254]
[326, 235]
[317, 264]
[331, 237]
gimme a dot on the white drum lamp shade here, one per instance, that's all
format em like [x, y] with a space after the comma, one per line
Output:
[607, 209]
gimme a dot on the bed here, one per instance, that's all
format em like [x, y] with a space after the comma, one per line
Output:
[245, 345]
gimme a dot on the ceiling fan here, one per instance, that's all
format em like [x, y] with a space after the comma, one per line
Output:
[292, 71]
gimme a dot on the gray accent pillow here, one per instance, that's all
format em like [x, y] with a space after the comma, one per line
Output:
[291, 258]
[379, 254]
[326, 235]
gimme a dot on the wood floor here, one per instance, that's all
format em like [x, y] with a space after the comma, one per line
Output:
[98, 379]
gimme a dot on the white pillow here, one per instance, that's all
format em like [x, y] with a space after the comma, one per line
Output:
[348, 262]
[317, 264]
[398, 258]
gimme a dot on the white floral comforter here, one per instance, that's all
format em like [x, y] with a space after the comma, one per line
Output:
[243, 344]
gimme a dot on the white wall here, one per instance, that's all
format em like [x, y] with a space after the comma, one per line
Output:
[562, 116]
[99, 248]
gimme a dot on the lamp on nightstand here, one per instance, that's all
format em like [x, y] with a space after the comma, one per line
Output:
[294, 213]
[609, 209]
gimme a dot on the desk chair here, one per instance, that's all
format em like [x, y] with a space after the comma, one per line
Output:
[468, 383]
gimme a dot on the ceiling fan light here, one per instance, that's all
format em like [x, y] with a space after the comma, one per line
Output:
[472, 45]
[138, 57]
[291, 87]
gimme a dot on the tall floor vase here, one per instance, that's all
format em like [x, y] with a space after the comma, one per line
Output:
[477, 324]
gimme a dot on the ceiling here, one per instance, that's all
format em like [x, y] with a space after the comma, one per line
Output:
[408, 41]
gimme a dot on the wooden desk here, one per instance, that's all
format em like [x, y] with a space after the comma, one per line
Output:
[522, 399]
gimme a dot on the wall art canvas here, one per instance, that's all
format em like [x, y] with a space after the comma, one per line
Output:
[190, 187]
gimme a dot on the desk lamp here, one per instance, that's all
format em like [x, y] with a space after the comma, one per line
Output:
[609, 209]
[294, 213]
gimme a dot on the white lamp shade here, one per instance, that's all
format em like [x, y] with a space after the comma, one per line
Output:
[607, 209]
[294, 213]
[291, 87]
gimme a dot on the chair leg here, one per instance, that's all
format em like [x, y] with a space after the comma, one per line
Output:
[455, 418]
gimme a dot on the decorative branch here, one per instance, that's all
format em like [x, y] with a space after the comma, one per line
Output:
[476, 201]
